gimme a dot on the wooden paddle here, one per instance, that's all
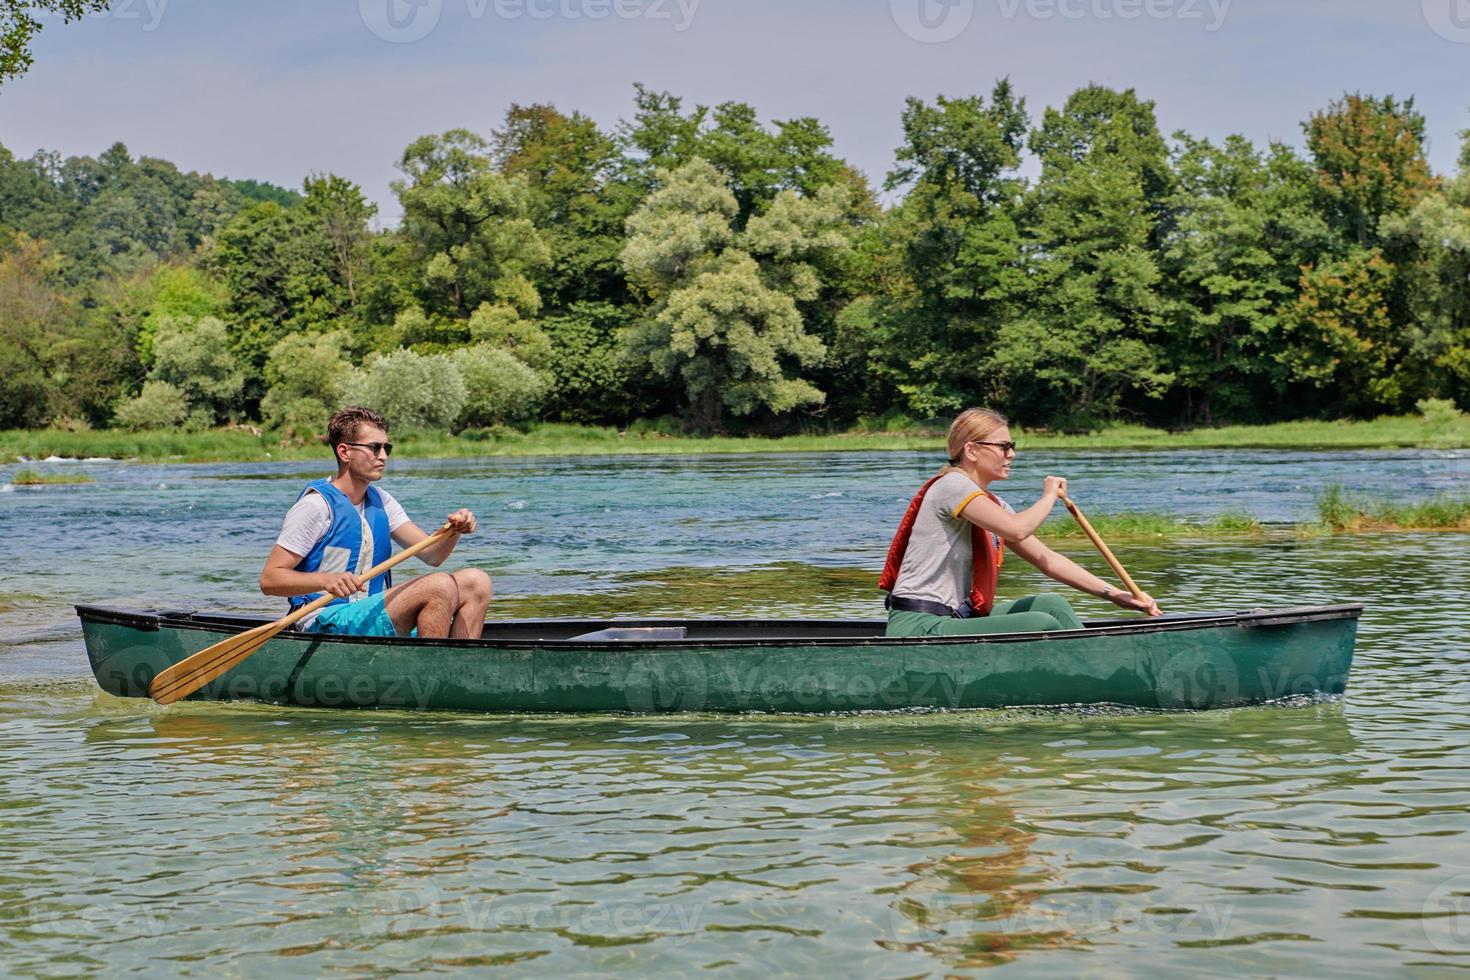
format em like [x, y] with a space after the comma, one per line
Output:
[1103, 548]
[193, 672]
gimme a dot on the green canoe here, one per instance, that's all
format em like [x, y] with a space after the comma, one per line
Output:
[1176, 662]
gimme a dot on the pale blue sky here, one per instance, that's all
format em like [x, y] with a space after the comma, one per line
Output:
[275, 89]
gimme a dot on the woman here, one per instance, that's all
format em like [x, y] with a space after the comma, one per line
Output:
[944, 561]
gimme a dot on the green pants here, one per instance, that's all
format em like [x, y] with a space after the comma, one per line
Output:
[1034, 613]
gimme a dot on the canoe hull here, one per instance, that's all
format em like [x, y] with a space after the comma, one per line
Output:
[1186, 664]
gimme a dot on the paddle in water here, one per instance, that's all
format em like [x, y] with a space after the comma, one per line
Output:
[1106, 552]
[193, 672]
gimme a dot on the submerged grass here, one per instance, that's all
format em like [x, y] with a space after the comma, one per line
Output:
[1147, 525]
[558, 439]
[32, 478]
[1339, 511]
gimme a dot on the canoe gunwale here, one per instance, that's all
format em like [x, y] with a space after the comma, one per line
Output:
[760, 631]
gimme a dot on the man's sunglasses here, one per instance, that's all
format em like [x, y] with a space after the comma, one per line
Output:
[386, 448]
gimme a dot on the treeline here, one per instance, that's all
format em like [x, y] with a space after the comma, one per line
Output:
[721, 272]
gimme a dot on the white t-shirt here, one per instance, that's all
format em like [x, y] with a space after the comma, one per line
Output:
[309, 520]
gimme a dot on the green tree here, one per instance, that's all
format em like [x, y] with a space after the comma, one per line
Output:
[946, 262]
[1343, 338]
[592, 380]
[175, 290]
[757, 161]
[31, 311]
[307, 267]
[1434, 239]
[19, 26]
[1083, 342]
[194, 357]
[1370, 162]
[578, 201]
[338, 215]
[502, 327]
[470, 227]
[1242, 226]
[306, 375]
[114, 215]
[723, 324]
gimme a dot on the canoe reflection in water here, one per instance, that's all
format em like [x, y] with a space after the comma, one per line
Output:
[1048, 832]
[962, 840]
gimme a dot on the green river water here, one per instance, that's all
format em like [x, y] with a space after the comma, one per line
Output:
[244, 840]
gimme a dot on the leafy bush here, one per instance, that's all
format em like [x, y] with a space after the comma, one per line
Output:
[409, 389]
[500, 325]
[159, 406]
[306, 374]
[499, 387]
[175, 291]
[194, 357]
[1438, 411]
[594, 380]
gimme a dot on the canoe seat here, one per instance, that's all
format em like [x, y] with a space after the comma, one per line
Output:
[636, 633]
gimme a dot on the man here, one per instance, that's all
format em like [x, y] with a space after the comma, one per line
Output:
[341, 527]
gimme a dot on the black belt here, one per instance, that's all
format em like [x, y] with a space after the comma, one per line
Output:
[905, 604]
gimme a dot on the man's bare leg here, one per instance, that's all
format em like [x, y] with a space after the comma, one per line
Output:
[474, 597]
[427, 603]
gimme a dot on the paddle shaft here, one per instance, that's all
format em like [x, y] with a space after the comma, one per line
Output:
[193, 672]
[1106, 552]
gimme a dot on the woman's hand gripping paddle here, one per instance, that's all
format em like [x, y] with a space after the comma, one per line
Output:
[1106, 552]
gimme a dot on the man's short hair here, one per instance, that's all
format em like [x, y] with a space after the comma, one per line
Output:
[342, 426]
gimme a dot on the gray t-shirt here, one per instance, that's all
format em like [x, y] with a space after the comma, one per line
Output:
[938, 563]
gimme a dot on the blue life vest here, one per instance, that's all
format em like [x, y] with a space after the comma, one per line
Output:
[345, 536]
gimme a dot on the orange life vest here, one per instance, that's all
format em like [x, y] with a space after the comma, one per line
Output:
[985, 567]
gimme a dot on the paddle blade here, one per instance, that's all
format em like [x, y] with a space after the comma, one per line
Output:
[193, 672]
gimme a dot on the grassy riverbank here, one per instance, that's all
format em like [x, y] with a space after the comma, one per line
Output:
[1111, 527]
[554, 439]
